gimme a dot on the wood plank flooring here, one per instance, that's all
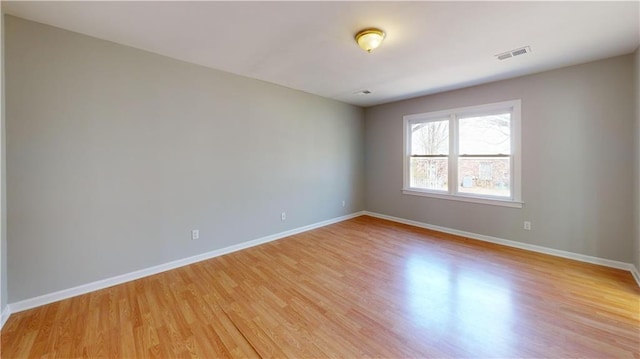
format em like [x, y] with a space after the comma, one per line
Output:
[360, 288]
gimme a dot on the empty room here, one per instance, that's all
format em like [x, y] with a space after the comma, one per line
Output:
[320, 179]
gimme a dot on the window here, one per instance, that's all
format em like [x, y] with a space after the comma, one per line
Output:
[467, 154]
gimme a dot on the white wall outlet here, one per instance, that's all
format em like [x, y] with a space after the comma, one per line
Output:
[195, 234]
[527, 225]
[283, 216]
[343, 203]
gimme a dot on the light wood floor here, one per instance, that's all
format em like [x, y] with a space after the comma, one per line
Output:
[360, 288]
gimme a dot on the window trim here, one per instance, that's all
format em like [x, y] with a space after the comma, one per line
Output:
[454, 115]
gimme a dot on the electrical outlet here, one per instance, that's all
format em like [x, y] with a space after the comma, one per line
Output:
[283, 216]
[527, 225]
[195, 234]
[343, 203]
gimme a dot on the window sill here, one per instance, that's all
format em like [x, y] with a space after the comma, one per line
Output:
[489, 201]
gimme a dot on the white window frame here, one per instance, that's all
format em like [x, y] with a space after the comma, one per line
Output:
[454, 115]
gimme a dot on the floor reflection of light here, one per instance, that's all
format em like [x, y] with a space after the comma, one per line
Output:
[473, 305]
[428, 293]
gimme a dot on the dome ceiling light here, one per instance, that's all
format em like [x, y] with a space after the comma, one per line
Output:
[369, 39]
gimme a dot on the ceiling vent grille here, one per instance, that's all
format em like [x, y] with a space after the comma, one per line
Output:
[512, 53]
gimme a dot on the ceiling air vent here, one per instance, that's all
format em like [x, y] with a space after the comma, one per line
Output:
[512, 53]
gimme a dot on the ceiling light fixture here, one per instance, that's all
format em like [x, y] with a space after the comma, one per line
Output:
[369, 39]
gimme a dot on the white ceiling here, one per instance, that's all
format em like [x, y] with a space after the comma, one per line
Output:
[309, 46]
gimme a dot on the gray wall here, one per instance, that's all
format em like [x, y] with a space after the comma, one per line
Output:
[115, 154]
[577, 144]
[636, 251]
[3, 191]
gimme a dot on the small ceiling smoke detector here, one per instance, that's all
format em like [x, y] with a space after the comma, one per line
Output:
[512, 53]
[363, 92]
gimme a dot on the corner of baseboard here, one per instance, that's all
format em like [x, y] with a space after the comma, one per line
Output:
[4, 316]
[635, 273]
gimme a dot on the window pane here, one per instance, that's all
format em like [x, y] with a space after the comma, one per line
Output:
[429, 173]
[430, 138]
[484, 135]
[484, 176]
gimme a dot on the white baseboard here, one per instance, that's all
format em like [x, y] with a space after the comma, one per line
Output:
[109, 282]
[530, 247]
[4, 315]
[636, 274]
